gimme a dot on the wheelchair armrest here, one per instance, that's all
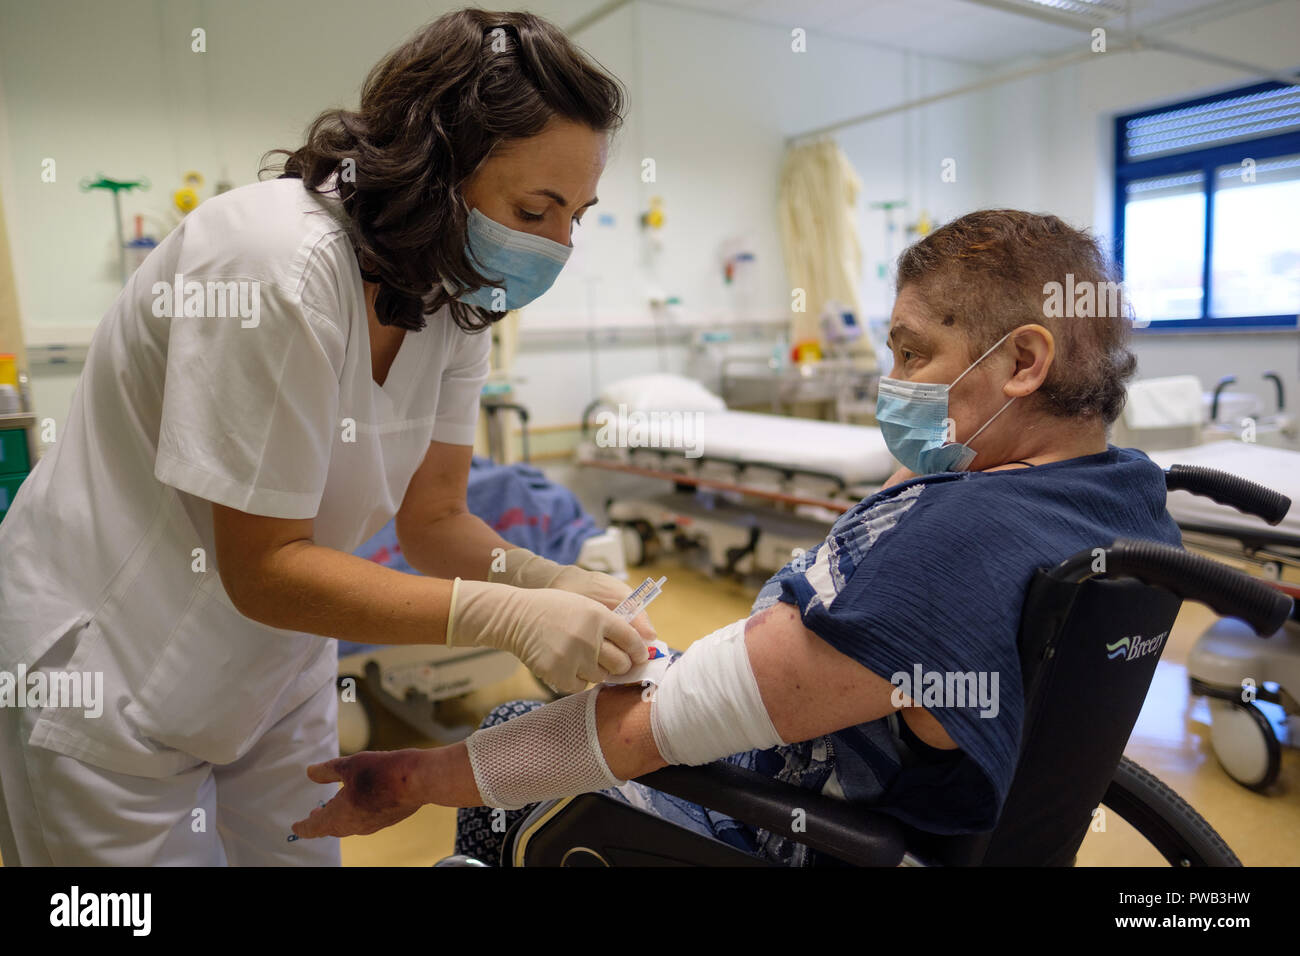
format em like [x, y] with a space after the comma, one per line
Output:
[841, 829]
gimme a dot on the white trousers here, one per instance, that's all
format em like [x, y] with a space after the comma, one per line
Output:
[59, 811]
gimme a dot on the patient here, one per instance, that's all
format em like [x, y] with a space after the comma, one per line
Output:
[883, 664]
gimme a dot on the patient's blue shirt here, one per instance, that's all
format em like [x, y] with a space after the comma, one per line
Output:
[923, 584]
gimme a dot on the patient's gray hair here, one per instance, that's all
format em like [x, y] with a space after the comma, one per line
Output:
[988, 273]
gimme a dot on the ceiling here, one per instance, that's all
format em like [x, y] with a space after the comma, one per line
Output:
[983, 32]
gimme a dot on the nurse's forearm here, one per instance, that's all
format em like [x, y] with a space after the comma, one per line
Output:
[459, 545]
[304, 586]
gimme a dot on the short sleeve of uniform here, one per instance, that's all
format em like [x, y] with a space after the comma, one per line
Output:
[250, 404]
[462, 383]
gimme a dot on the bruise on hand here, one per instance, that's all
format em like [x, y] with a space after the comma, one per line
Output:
[379, 781]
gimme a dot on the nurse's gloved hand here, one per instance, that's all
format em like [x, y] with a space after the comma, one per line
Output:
[566, 639]
[524, 569]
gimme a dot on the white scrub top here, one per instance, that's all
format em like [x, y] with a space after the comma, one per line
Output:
[110, 537]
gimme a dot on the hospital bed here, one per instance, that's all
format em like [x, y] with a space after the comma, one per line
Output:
[748, 488]
[1080, 707]
[1174, 412]
[1229, 666]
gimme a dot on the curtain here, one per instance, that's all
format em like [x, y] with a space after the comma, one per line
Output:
[823, 255]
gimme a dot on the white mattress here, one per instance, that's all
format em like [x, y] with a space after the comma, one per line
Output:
[1275, 468]
[856, 454]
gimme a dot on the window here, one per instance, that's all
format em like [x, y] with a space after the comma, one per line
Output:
[1207, 201]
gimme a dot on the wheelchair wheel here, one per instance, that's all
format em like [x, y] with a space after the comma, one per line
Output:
[1180, 834]
[1245, 744]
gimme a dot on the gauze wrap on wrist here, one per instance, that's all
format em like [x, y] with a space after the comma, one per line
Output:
[547, 753]
[708, 704]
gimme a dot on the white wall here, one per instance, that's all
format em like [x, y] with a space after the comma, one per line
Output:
[712, 100]
[1051, 147]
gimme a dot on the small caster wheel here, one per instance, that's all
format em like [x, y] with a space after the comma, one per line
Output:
[1245, 744]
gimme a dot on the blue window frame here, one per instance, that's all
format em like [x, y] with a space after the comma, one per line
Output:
[1207, 210]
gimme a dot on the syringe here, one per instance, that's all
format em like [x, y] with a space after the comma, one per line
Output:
[638, 600]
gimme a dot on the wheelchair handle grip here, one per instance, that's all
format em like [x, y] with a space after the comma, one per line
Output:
[1195, 578]
[1248, 497]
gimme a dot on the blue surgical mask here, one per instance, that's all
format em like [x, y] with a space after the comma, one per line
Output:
[913, 417]
[528, 264]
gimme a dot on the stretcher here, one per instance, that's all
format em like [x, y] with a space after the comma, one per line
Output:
[1269, 550]
[748, 488]
[1233, 668]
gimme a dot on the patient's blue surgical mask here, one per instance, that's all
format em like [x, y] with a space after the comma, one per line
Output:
[527, 263]
[913, 418]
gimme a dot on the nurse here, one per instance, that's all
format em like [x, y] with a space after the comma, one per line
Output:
[296, 364]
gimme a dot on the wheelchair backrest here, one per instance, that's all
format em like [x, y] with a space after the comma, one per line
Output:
[1088, 652]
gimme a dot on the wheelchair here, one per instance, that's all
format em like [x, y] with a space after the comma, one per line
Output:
[1080, 707]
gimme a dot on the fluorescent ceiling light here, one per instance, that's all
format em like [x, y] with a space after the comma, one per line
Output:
[1086, 11]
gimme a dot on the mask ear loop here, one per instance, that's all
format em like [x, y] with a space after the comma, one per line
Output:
[1000, 410]
[991, 420]
[978, 360]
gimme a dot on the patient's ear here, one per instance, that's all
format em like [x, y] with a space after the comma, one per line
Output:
[1035, 350]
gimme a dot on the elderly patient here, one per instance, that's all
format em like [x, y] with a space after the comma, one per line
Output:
[881, 666]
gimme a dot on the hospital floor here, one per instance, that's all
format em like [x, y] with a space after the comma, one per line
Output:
[1171, 740]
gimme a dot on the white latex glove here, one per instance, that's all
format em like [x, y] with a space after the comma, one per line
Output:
[566, 639]
[523, 569]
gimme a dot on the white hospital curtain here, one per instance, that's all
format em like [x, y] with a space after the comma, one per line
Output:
[823, 255]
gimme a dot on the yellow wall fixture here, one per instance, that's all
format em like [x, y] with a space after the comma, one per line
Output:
[187, 197]
[653, 218]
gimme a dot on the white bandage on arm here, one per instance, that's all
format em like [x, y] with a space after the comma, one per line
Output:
[548, 753]
[708, 704]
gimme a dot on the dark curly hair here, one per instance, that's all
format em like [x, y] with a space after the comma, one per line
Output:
[431, 112]
[989, 272]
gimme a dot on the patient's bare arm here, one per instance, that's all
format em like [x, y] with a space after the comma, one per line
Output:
[808, 689]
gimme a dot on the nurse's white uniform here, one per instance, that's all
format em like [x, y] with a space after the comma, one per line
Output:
[107, 562]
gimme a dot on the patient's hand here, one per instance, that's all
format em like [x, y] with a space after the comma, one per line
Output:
[379, 789]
